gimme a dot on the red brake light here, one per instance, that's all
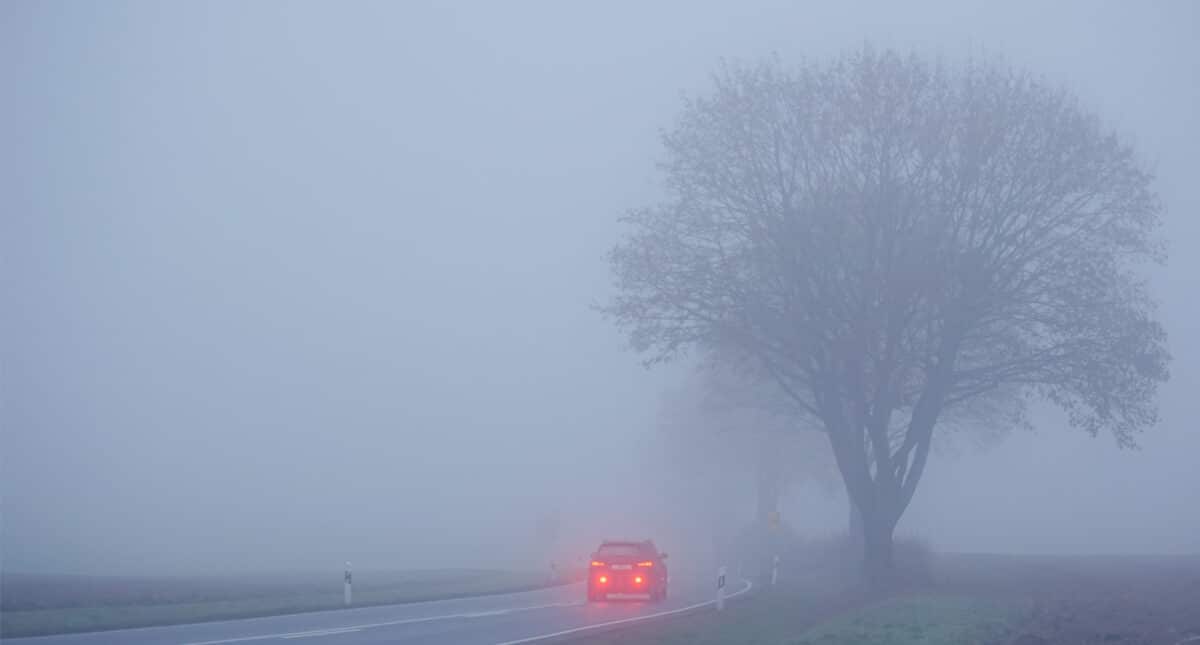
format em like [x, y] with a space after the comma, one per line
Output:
[637, 580]
[597, 563]
[603, 580]
[647, 563]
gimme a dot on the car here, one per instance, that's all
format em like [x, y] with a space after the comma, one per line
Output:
[627, 570]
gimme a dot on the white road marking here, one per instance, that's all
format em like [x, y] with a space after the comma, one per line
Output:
[499, 612]
[1191, 639]
[324, 632]
[351, 611]
[238, 640]
[403, 621]
[635, 619]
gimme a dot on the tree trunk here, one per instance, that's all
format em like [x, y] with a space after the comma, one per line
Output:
[878, 562]
[878, 496]
[855, 528]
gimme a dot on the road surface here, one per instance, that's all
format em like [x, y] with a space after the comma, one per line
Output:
[488, 620]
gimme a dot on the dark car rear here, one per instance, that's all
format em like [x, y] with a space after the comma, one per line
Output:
[627, 570]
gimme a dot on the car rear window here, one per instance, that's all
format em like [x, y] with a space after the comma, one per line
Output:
[631, 550]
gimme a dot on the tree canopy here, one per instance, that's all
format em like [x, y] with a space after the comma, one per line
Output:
[893, 240]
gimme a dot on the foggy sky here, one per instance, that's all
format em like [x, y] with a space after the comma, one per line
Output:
[286, 284]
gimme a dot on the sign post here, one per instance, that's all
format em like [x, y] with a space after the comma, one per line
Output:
[346, 586]
[775, 571]
[720, 588]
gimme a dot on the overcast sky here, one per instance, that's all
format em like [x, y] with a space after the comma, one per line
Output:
[288, 281]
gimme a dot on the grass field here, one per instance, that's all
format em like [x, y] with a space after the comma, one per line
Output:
[924, 620]
[37, 605]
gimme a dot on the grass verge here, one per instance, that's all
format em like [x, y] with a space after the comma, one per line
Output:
[925, 620]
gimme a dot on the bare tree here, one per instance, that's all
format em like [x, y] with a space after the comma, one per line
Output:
[738, 395]
[896, 242]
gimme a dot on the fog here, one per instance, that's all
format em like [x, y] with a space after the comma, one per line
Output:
[287, 284]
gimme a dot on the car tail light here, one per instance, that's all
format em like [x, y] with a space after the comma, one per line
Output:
[602, 580]
[637, 580]
[647, 563]
[597, 563]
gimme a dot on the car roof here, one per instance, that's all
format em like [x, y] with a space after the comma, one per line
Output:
[641, 544]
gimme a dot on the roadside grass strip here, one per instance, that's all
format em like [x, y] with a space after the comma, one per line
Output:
[927, 620]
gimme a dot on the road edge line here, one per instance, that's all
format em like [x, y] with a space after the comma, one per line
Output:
[635, 619]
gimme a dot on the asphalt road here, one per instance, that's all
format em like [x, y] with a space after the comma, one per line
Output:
[489, 620]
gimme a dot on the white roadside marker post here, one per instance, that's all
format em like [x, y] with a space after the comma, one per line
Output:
[720, 588]
[775, 571]
[346, 586]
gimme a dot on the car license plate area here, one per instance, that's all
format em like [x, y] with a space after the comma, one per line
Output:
[629, 596]
[621, 567]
